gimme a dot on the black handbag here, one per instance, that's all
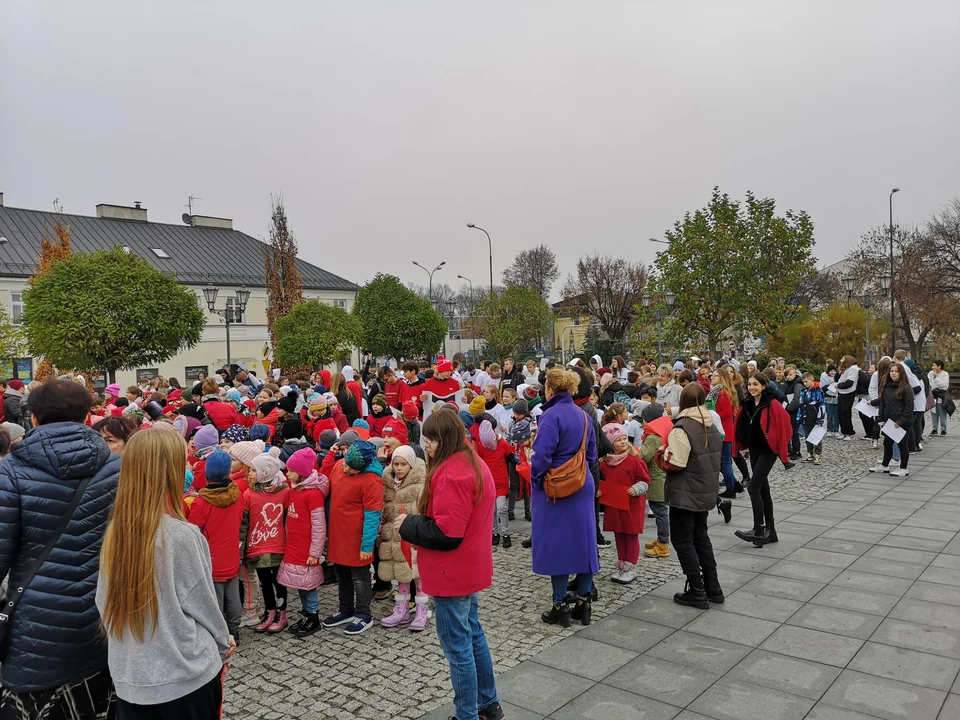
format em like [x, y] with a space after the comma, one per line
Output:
[14, 594]
[948, 405]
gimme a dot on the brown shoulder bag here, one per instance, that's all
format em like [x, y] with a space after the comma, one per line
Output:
[564, 481]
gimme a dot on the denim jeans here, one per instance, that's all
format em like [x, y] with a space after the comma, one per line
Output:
[726, 465]
[465, 647]
[309, 600]
[355, 589]
[661, 511]
[559, 582]
[833, 417]
[938, 418]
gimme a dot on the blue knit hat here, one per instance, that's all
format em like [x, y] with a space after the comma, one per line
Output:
[361, 423]
[218, 465]
[360, 455]
[236, 433]
[234, 395]
[467, 418]
[260, 432]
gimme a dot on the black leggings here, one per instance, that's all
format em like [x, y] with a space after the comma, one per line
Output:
[742, 466]
[759, 490]
[904, 450]
[917, 431]
[688, 533]
[274, 594]
[846, 403]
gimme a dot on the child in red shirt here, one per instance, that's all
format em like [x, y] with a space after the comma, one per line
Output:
[494, 451]
[624, 466]
[442, 385]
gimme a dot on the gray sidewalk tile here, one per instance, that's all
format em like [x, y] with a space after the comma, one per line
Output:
[823, 510]
[910, 666]
[933, 522]
[603, 701]
[822, 711]
[623, 631]
[887, 567]
[871, 582]
[735, 628]
[821, 557]
[951, 708]
[539, 688]
[585, 658]
[782, 587]
[856, 600]
[865, 536]
[660, 611]
[943, 536]
[739, 700]
[833, 620]
[787, 674]
[661, 680]
[787, 568]
[850, 547]
[914, 636]
[743, 561]
[935, 592]
[699, 651]
[809, 518]
[928, 613]
[806, 530]
[813, 645]
[917, 543]
[690, 715]
[883, 513]
[944, 576]
[953, 547]
[951, 562]
[513, 712]
[732, 579]
[884, 698]
[902, 555]
[744, 602]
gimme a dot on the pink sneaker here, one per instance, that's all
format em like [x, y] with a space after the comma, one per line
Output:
[279, 624]
[266, 621]
[401, 613]
[422, 617]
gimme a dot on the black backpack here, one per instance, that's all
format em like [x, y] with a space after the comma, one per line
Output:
[863, 383]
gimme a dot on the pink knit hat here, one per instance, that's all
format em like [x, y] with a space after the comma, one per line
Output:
[302, 462]
[607, 377]
[246, 451]
[613, 431]
[488, 437]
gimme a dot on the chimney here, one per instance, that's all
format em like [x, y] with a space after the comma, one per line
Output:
[122, 212]
[211, 222]
[1, 199]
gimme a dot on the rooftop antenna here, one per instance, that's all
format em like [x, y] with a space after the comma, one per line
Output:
[57, 207]
[190, 200]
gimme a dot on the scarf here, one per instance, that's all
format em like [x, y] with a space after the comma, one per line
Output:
[490, 404]
[613, 460]
[714, 393]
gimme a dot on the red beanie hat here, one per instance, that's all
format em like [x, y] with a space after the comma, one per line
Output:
[410, 410]
[396, 429]
[444, 365]
[325, 374]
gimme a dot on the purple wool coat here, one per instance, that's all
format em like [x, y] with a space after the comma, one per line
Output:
[564, 532]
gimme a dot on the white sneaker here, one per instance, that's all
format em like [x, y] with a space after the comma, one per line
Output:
[919, 446]
[628, 575]
[846, 438]
[876, 444]
[879, 468]
[899, 472]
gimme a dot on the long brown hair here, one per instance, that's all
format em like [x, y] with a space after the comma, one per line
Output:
[902, 383]
[883, 370]
[729, 384]
[151, 486]
[847, 361]
[337, 382]
[447, 430]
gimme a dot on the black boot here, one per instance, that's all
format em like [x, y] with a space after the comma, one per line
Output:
[693, 594]
[310, 625]
[557, 615]
[507, 542]
[738, 488]
[526, 543]
[711, 585]
[769, 536]
[496, 540]
[725, 508]
[582, 610]
[729, 494]
[294, 627]
[750, 535]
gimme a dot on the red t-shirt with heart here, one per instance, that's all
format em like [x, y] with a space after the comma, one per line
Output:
[265, 532]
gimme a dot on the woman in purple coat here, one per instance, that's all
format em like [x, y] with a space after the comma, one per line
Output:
[564, 530]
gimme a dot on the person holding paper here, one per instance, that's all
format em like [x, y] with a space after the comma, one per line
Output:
[847, 395]
[623, 471]
[811, 414]
[896, 405]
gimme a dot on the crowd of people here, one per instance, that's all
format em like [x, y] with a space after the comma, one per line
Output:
[170, 520]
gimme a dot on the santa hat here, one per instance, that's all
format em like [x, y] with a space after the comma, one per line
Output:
[444, 365]
[395, 429]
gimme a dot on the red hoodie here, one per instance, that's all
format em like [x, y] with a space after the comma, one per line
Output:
[218, 512]
[378, 422]
[223, 415]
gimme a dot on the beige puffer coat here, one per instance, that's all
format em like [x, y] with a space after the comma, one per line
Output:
[393, 565]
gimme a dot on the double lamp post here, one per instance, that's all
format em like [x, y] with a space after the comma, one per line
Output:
[647, 300]
[230, 315]
[848, 284]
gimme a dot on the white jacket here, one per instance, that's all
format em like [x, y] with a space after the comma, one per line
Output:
[939, 381]
[851, 373]
[919, 399]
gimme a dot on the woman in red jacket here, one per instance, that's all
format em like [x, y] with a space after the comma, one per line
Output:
[728, 405]
[452, 534]
[764, 430]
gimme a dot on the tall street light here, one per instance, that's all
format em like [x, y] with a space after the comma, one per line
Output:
[662, 242]
[893, 320]
[647, 300]
[472, 333]
[230, 315]
[430, 273]
[848, 283]
[490, 245]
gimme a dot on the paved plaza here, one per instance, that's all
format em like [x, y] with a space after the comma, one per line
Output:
[400, 674]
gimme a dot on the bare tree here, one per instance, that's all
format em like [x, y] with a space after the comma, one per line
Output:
[284, 284]
[943, 231]
[536, 268]
[608, 289]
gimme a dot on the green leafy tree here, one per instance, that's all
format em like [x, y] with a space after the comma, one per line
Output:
[140, 317]
[13, 343]
[510, 320]
[314, 333]
[831, 332]
[396, 322]
[733, 264]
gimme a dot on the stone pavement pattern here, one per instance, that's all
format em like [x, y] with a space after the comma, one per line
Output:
[399, 674]
[854, 614]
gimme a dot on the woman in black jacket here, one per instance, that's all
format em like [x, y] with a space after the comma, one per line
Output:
[896, 404]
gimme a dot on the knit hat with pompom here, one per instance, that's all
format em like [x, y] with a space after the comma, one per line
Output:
[246, 451]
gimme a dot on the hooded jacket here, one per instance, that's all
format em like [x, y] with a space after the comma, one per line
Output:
[669, 394]
[223, 415]
[378, 421]
[218, 512]
[12, 405]
[397, 502]
[54, 636]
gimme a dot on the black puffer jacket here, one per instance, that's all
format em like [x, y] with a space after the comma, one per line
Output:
[54, 637]
[898, 409]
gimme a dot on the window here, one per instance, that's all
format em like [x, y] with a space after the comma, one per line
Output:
[340, 304]
[576, 321]
[160, 253]
[16, 308]
[233, 307]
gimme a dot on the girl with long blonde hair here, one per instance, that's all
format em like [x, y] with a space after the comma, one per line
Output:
[166, 636]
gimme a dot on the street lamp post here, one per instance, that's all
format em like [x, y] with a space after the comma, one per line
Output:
[430, 273]
[473, 334]
[893, 321]
[848, 283]
[230, 315]
[490, 246]
[647, 300]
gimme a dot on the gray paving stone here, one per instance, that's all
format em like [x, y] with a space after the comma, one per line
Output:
[871, 582]
[854, 535]
[739, 700]
[918, 543]
[910, 666]
[807, 530]
[699, 651]
[951, 708]
[822, 711]
[783, 587]
[883, 513]
[788, 674]
[951, 562]
[787, 568]
[765, 607]
[584, 657]
[943, 536]
[914, 636]
[660, 611]
[809, 518]
[944, 576]
[927, 613]
[821, 557]
[812, 645]
[887, 567]
[902, 555]
[743, 561]
[661, 680]
[934, 592]
[884, 698]
[873, 603]
[833, 620]
[953, 547]
[823, 509]
[690, 715]
[731, 579]
[539, 688]
[623, 631]
[735, 628]
[603, 701]
[849, 547]
[934, 522]
[866, 526]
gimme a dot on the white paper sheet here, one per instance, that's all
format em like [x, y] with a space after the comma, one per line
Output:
[893, 432]
[543, 363]
[867, 409]
[816, 435]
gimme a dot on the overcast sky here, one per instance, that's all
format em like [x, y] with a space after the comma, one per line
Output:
[589, 126]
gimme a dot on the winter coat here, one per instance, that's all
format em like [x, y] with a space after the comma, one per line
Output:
[218, 512]
[606, 398]
[496, 460]
[791, 391]
[898, 409]
[564, 531]
[811, 409]
[292, 446]
[355, 388]
[54, 635]
[223, 415]
[727, 417]
[631, 471]
[772, 420]
[653, 435]
[695, 446]
[263, 509]
[356, 505]
[200, 468]
[306, 529]
[270, 420]
[378, 421]
[13, 406]
[454, 554]
[348, 406]
[397, 502]
[669, 394]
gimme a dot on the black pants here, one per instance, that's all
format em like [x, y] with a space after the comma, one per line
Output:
[204, 703]
[904, 450]
[846, 403]
[515, 492]
[868, 424]
[811, 450]
[759, 490]
[596, 515]
[274, 594]
[794, 437]
[742, 466]
[688, 533]
[917, 434]
[356, 590]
